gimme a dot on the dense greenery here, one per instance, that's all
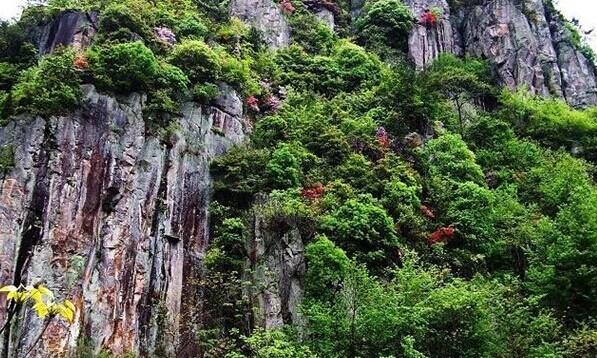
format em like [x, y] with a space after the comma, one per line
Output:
[441, 216]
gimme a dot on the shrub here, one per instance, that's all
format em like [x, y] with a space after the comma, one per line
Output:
[191, 27]
[448, 156]
[327, 266]
[9, 74]
[125, 67]
[199, 62]
[285, 168]
[52, 87]
[121, 22]
[356, 65]
[386, 23]
[310, 33]
[364, 229]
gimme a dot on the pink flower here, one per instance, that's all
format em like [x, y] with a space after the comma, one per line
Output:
[287, 7]
[165, 35]
[252, 103]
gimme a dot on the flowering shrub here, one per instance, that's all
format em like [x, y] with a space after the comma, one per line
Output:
[428, 19]
[427, 212]
[271, 103]
[441, 235]
[287, 7]
[81, 63]
[313, 192]
[252, 103]
[382, 138]
[165, 34]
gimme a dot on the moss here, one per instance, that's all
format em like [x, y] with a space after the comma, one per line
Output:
[7, 154]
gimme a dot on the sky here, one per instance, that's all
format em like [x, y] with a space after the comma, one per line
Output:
[583, 10]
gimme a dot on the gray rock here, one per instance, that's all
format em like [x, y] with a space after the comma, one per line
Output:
[326, 16]
[525, 45]
[267, 17]
[69, 28]
[111, 218]
[277, 266]
[425, 43]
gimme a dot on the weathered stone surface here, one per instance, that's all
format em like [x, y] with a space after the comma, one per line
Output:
[69, 28]
[110, 217]
[326, 16]
[277, 264]
[426, 42]
[524, 43]
[267, 17]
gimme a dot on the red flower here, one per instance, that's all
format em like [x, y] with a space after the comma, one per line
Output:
[428, 19]
[287, 7]
[252, 103]
[314, 192]
[441, 235]
[81, 63]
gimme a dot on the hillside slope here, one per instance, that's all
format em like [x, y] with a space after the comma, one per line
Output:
[360, 179]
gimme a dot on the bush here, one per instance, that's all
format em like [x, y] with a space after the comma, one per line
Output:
[327, 266]
[310, 33]
[122, 22]
[552, 122]
[356, 65]
[9, 74]
[285, 168]
[448, 156]
[385, 23]
[191, 27]
[199, 62]
[125, 67]
[364, 230]
[52, 87]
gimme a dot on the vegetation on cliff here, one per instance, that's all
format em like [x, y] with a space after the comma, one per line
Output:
[443, 216]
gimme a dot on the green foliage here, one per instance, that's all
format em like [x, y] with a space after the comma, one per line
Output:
[7, 154]
[348, 68]
[385, 24]
[239, 175]
[552, 122]
[125, 67]
[364, 230]
[52, 87]
[449, 157]
[122, 22]
[310, 33]
[199, 62]
[327, 266]
[274, 344]
[284, 168]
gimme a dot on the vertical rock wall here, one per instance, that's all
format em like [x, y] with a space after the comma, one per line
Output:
[111, 217]
[277, 266]
[523, 41]
[267, 17]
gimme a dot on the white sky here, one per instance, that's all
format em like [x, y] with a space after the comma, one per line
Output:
[584, 10]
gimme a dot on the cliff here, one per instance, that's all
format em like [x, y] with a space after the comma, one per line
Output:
[115, 215]
[111, 216]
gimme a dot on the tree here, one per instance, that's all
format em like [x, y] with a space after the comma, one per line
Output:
[459, 80]
[363, 228]
[385, 23]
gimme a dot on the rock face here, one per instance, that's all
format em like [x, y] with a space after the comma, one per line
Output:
[277, 264]
[427, 41]
[111, 217]
[267, 17]
[69, 28]
[525, 43]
